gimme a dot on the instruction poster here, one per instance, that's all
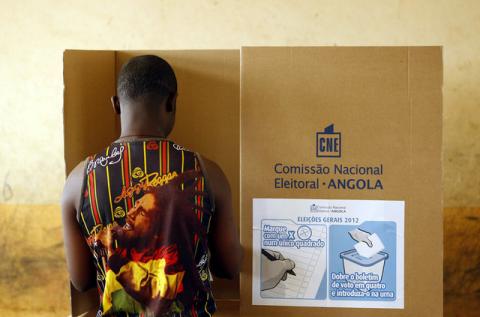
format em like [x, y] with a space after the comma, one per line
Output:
[328, 253]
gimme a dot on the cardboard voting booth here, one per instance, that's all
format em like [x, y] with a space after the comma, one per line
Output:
[334, 159]
[341, 195]
[208, 93]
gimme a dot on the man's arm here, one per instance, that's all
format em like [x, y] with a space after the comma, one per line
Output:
[79, 258]
[224, 243]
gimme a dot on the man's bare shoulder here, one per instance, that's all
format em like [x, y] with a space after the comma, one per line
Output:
[216, 176]
[73, 186]
[211, 165]
[223, 238]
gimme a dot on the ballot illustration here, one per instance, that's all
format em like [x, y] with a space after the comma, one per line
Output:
[367, 257]
[293, 259]
[328, 253]
[275, 268]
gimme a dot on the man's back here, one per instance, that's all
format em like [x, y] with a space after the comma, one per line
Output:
[145, 215]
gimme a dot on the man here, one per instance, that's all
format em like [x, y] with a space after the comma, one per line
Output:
[141, 217]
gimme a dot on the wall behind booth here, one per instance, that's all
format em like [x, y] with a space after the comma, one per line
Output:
[35, 35]
[207, 118]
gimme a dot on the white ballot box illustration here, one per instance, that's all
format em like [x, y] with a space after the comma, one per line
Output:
[372, 268]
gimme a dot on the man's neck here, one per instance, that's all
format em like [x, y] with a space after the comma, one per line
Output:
[140, 127]
[135, 135]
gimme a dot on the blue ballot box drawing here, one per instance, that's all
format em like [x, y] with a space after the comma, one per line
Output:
[355, 276]
[355, 263]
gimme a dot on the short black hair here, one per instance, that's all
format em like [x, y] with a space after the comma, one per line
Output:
[146, 75]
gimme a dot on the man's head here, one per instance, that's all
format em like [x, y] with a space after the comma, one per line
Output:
[146, 91]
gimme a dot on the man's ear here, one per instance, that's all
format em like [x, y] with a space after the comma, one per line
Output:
[115, 104]
[171, 102]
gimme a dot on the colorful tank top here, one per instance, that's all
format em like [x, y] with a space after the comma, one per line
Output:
[145, 214]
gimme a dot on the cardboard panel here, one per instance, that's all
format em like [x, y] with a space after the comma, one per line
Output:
[207, 116]
[386, 104]
[89, 121]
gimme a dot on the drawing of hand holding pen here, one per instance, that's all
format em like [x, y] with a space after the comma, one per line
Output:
[274, 268]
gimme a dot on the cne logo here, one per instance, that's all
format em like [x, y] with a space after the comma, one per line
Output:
[329, 143]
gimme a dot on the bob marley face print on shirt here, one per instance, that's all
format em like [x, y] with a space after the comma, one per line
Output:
[148, 260]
